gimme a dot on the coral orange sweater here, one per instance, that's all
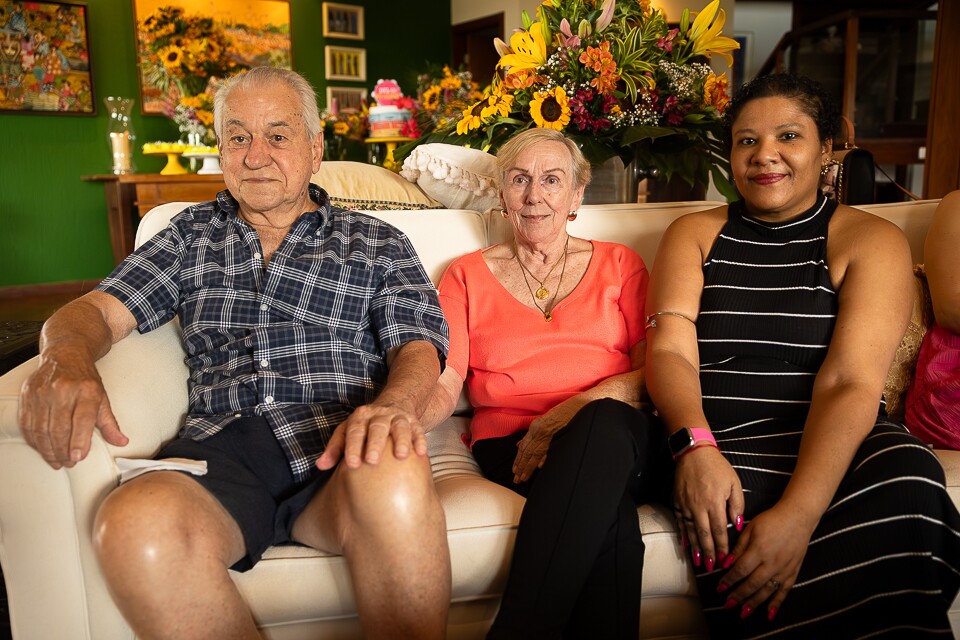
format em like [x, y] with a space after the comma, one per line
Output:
[516, 365]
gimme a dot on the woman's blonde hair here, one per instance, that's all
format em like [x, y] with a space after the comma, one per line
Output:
[509, 152]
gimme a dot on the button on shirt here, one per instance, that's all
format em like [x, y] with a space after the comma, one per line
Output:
[302, 343]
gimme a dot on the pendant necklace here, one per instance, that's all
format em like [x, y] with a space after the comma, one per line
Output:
[542, 293]
[547, 315]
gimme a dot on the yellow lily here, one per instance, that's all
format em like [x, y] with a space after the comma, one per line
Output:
[705, 33]
[529, 49]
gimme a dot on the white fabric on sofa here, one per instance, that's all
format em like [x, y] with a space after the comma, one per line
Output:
[55, 586]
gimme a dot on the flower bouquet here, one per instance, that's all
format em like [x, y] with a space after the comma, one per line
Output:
[617, 79]
[340, 127]
[443, 95]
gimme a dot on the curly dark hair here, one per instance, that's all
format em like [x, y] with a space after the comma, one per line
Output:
[808, 94]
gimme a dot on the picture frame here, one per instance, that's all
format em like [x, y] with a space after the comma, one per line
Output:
[342, 21]
[345, 63]
[742, 57]
[345, 99]
[186, 47]
[45, 66]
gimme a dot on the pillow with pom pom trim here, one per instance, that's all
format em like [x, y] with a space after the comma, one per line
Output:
[458, 177]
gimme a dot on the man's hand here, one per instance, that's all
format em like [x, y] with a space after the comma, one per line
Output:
[366, 433]
[60, 405]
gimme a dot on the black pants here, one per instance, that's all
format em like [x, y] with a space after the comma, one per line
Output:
[578, 557]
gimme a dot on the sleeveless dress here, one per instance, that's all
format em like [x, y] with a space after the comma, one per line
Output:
[884, 558]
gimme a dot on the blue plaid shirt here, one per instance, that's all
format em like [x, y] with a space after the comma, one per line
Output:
[302, 343]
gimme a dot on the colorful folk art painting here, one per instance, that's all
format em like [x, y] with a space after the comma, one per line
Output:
[45, 58]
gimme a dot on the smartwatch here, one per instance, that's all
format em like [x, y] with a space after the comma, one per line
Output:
[685, 439]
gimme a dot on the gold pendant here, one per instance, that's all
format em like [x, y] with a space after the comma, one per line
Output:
[547, 316]
[542, 293]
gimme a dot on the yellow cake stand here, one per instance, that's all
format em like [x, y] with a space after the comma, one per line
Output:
[173, 151]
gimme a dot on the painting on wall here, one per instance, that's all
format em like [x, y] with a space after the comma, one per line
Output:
[185, 48]
[345, 63]
[342, 21]
[345, 99]
[741, 58]
[45, 59]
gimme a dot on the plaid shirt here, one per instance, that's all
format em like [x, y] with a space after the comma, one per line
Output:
[302, 343]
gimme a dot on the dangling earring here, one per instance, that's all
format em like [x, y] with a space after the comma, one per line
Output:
[572, 216]
[504, 213]
[824, 168]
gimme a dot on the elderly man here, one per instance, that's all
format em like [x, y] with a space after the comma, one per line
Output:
[311, 334]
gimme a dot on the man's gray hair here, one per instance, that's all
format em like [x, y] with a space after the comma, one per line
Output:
[259, 78]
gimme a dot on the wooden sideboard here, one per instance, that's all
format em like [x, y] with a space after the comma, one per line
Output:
[131, 196]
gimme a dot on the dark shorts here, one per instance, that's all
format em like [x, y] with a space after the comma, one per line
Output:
[249, 474]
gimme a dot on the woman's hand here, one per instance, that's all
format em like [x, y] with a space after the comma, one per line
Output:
[768, 558]
[532, 449]
[706, 492]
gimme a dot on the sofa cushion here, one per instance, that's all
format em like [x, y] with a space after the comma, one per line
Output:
[900, 375]
[367, 187]
[459, 177]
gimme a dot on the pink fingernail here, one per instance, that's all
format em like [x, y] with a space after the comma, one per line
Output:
[709, 563]
[730, 559]
[739, 523]
[720, 556]
[685, 542]
[746, 611]
[771, 612]
[722, 587]
[730, 603]
[696, 557]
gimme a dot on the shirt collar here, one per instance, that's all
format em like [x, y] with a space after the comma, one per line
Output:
[318, 196]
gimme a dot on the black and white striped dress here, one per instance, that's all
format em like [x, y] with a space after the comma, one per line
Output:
[884, 560]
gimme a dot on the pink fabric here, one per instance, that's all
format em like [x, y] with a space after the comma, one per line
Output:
[517, 366]
[933, 401]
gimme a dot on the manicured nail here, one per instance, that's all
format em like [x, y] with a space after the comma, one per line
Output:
[730, 603]
[771, 612]
[709, 563]
[739, 523]
[720, 556]
[685, 542]
[746, 611]
[722, 587]
[730, 559]
[696, 557]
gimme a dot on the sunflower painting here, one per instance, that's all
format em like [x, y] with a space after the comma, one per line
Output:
[187, 46]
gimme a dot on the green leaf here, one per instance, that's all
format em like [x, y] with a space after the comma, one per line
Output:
[644, 132]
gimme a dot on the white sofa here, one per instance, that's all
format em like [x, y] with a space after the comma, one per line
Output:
[56, 589]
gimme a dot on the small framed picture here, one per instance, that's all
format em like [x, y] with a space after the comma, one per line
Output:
[345, 63]
[342, 21]
[340, 99]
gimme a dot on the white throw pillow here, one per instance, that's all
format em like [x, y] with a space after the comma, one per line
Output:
[458, 177]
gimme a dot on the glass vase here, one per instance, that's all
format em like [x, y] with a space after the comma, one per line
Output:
[120, 134]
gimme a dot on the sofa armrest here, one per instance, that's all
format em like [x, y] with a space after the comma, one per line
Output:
[46, 516]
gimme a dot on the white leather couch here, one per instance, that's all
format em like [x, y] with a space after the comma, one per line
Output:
[56, 589]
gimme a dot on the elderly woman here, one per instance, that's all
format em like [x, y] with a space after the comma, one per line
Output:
[771, 325]
[933, 402]
[547, 332]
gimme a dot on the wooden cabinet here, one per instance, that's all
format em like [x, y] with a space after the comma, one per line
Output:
[129, 197]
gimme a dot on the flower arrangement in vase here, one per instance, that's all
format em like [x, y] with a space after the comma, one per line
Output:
[618, 79]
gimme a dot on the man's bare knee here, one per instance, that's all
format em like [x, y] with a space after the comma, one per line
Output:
[162, 518]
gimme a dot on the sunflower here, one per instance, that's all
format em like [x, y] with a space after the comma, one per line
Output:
[431, 98]
[498, 104]
[472, 117]
[341, 128]
[551, 109]
[172, 57]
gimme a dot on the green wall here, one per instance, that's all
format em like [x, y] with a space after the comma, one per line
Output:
[53, 226]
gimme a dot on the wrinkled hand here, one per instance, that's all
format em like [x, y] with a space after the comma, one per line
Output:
[768, 558]
[706, 492]
[532, 449]
[61, 404]
[364, 435]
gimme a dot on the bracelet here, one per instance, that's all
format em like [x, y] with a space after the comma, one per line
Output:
[652, 320]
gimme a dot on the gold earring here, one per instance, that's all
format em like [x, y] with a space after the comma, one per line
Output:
[504, 213]
[572, 216]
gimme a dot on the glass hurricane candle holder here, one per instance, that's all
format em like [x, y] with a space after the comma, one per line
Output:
[120, 134]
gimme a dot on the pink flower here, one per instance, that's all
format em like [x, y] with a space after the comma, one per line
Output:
[569, 40]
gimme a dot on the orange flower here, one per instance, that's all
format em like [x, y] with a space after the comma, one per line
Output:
[522, 79]
[599, 58]
[715, 92]
[605, 83]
